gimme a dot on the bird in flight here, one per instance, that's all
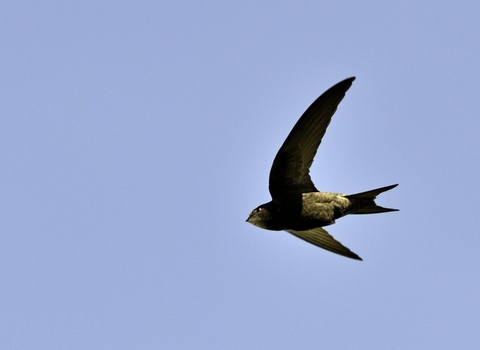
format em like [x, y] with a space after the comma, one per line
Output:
[297, 206]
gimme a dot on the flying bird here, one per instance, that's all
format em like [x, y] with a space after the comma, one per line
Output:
[297, 206]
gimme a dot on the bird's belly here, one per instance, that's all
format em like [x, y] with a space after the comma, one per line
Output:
[322, 208]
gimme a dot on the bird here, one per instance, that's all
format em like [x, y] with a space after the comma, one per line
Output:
[297, 206]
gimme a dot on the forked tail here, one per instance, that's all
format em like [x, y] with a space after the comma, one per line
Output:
[366, 201]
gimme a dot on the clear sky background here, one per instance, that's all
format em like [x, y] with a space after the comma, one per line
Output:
[136, 137]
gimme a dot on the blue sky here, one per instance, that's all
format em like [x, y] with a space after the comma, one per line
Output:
[136, 136]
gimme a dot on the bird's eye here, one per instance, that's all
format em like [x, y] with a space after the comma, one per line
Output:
[258, 209]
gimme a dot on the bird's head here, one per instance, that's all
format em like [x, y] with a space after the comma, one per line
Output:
[262, 216]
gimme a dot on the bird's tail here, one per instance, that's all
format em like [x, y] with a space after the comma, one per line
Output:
[366, 201]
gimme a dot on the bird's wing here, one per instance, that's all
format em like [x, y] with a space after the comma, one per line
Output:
[321, 238]
[291, 167]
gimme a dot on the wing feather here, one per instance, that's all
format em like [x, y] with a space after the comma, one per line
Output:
[290, 171]
[321, 238]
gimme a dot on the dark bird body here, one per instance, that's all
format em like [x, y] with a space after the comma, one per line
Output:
[297, 206]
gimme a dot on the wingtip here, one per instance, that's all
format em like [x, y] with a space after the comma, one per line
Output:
[354, 256]
[348, 80]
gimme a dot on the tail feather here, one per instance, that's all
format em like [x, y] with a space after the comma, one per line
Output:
[369, 196]
[374, 209]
